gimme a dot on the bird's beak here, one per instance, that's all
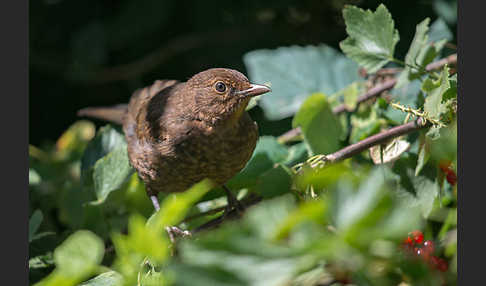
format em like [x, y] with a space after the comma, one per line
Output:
[254, 90]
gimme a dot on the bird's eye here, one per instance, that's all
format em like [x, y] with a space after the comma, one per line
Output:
[220, 87]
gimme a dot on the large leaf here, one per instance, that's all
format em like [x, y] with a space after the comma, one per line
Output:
[296, 72]
[110, 172]
[372, 37]
[320, 126]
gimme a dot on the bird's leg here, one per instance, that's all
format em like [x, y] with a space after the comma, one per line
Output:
[174, 232]
[155, 202]
[233, 202]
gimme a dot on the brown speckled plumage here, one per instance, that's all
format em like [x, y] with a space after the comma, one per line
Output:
[180, 133]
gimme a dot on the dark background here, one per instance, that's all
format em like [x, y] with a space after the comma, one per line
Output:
[91, 53]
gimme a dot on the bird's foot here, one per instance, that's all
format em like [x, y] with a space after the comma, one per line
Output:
[174, 232]
[155, 202]
[233, 203]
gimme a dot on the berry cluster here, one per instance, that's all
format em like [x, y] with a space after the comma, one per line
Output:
[415, 245]
[445, 166]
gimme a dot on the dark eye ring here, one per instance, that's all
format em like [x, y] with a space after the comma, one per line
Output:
[220, 87]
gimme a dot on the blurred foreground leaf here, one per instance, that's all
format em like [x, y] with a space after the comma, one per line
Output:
[76, 258]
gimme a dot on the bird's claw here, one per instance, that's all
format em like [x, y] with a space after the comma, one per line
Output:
[174, 232]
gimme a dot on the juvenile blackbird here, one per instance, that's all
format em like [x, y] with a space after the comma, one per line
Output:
[179, 133]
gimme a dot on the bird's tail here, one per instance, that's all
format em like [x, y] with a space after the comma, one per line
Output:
[112, 113]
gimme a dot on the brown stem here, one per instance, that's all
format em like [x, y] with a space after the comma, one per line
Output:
[372, 92]
[377, 139]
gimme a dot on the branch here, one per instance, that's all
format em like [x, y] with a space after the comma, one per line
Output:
[377, 139]
[365, 144]
[371, 93]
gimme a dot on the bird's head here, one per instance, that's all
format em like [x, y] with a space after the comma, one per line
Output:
[222, 94]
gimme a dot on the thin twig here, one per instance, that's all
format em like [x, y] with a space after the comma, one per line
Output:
[377, 139]
[372, 92]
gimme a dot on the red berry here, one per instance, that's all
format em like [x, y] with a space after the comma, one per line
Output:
[428, 247]
[408, 241]
[418, 251]
[442, 265]
[417, 236]
[451, 177]
[438, 263]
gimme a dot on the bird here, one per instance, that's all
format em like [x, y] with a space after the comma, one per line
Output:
[179, 133]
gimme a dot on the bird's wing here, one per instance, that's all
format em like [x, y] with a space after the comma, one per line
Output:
[139, 99]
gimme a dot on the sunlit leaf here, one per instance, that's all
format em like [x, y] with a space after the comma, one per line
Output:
[386, 153]
[320, 126]
[372, 36]
[110, 172]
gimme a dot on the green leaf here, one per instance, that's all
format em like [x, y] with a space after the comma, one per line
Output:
[79, 255]
[34, 223]
[408, 95]
[372, 37]
[76, 136]
[446, 9]
[205, 275]
[351, 94]
[296, 72]
[274, 182]
[352, 207]
[320, 127]
[34, 177]
[415, 191]
[244, 249]
[421, 52]
[110, 278]
[435, 106]
[106, 140]
[365, 122]
[297, 153]
[424, 153]
[439, 31]
[418, 46]
[110, 172]
[268, 152]
[175, 206]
